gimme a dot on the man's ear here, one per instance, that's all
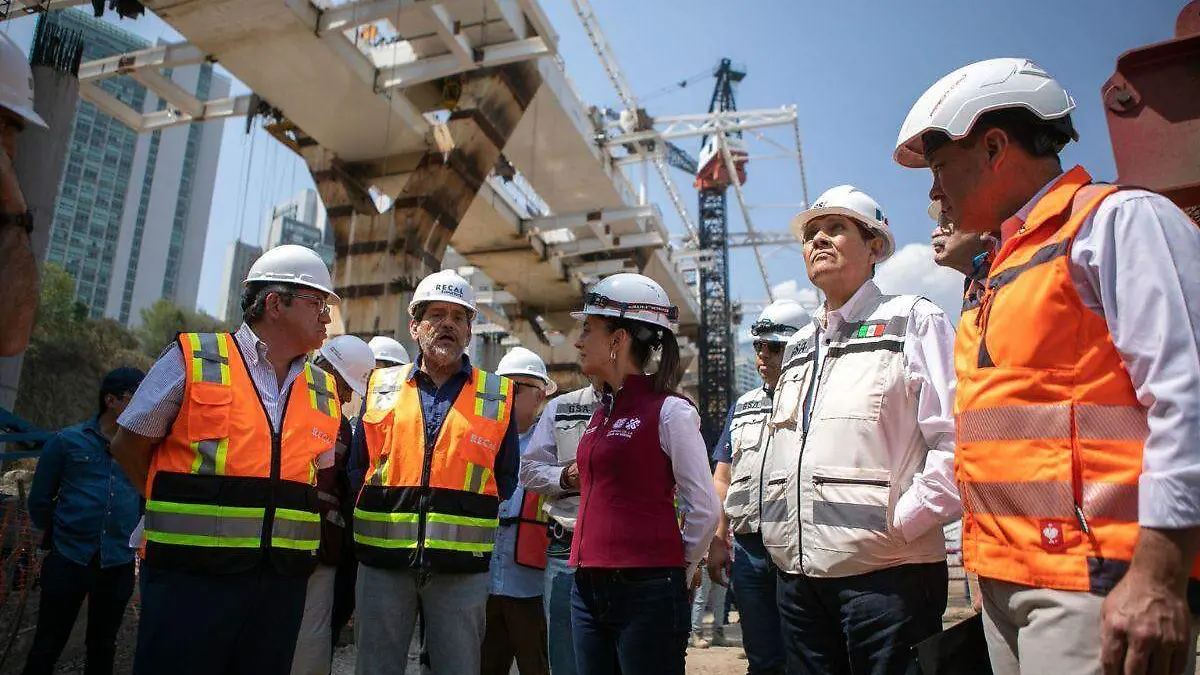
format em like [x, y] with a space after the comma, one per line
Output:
[997, 145]
[412, 329]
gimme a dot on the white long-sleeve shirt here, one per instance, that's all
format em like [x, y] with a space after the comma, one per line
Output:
[1137, 264]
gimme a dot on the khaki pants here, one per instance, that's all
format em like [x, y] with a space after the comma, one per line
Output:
[1034, 631]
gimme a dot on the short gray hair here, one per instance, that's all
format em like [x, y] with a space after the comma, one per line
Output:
[254, 299]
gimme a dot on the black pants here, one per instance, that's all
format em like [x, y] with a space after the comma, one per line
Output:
[516, 630]
[343, 596]
[64, 586]
[864, 624]
[219, 624]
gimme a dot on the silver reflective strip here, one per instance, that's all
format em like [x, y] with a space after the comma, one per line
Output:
[475, 478]
[896, 326]
[326, 497]
[464, 534]
[775, 511]
[210, 358]
[205, 526]
[1051, 499]
[739, 498]
[1043, 255]
[296, 529]
[320, 388]
[208, 450]
[858, 516]
[1026, 422]
[491, 409]
[401, 531]
[335, 518]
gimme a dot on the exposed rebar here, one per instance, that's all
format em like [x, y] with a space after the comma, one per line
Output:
[56, 46]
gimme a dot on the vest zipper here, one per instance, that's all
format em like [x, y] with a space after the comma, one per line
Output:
[426, 493]
[831, 480]
[1077, 477]
[276, 451]
[813, 381]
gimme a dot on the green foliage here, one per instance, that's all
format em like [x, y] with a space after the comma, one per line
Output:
[163, 320]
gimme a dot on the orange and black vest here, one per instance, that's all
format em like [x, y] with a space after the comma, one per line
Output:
[533, 534]
[431, 501]
[225, 489]
[1050, 431]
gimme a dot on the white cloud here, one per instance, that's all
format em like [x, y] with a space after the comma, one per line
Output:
[792, 290]
[912, 270]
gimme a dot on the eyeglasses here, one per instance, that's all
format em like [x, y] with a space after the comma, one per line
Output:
[768, 326]
[768, 346]
[604, 302]
[322, 306]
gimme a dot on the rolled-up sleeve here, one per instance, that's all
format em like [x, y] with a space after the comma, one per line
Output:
[1138, 258]
[540, 470]
[932, 499]
[157, 400]
[679, 434]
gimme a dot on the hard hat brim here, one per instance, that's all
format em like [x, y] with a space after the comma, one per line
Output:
[28, 114]
[462, 303]
[388, 359]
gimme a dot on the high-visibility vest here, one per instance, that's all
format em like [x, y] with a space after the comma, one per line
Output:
[224, 487]
[748, 440]
[431, 502]
[1049, 428]
[532, 534]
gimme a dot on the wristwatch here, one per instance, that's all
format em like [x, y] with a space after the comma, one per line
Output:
[21, 220]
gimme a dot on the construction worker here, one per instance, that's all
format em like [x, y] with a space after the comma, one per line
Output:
[548, 467]
[81, 499]
[444, 452]
[641, 462]
[961, 250]
[740, 454]
[17, 303]
[516, 626]
[350, 361]
[860, 459]
[388, 352]
[227, 434]
[1078, 385]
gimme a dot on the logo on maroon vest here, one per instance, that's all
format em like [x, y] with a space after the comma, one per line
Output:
[624, 427]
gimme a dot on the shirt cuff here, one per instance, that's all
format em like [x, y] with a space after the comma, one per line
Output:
[912, 519]
[1168, 502]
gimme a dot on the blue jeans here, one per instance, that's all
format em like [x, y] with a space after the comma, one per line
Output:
[560, 577]
[864, 624]
[754, 580]
[632, 619]
[707, 592]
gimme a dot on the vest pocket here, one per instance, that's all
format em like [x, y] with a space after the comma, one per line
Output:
[208, 411]
[793, 387]
[851, 508]
[866, 378]
[737, 499]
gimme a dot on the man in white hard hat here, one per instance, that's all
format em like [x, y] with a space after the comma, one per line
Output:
[859, 469]
[959, 249]
[548, 468]
[443, 451]
[1078, 384]
[18, 302]
[350, 361]
[516, 626]
[224, 439]
[739, 482]
[388, 352]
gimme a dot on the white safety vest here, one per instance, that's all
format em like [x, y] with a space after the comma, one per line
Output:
[747, 444]
[571, 416]
[829, 500]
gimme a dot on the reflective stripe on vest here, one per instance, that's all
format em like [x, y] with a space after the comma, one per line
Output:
[491, 392]
[442, 531]
[205, 525]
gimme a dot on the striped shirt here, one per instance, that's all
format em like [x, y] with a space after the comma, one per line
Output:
[156, 403]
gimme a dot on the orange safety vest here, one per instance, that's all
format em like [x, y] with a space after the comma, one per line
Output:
[1050, 431]
[431, 502]
[224, 488]
[533, 535]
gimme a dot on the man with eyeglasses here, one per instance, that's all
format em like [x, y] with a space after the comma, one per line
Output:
[739, 481]
[225, 436]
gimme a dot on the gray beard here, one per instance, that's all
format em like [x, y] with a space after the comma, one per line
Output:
[438, 354]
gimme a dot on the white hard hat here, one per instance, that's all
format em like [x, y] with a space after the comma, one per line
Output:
[16, 83]
[630, 296]
[779, 321]
[293, 264]
[848, 201]
[956, 101]
[353, 360]
[444, 286]
[521, 361]
[387, 349]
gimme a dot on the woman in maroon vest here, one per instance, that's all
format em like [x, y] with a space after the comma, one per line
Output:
[641, 464]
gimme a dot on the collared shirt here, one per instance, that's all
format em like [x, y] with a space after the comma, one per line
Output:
[158, 400]
[84, 498]
[541, 470]
[1134, 264]
[509, 578]
[933, 497]
[435, 405]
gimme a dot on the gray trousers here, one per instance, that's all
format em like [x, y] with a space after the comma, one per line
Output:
[314, 645]
[1034, 631]
[454, 605]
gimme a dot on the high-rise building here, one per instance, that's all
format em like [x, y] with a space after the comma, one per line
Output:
[132, 214]
[238, 260]
[745, 370]
[300, 220]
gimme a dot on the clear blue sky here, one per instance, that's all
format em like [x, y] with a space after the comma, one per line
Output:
[853, 68]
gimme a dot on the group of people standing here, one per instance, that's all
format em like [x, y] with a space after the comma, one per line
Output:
[1059, 423]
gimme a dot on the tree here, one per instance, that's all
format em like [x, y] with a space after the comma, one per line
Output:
[164, 320]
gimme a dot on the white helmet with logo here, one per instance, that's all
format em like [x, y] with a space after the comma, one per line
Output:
[387, 349]
[293, 264]
[353, 360]
[520, 361]
[955, 103]
[630, 296]
[849, 201]
[779, 321]
[443, 286]
[16, 83]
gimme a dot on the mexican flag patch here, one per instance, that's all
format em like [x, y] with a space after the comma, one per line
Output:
[870, 330]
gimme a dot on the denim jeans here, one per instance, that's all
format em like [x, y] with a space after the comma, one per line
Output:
[754, 579]
[864, 624]
[560, 577]
[708, 593]
[632, 619]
